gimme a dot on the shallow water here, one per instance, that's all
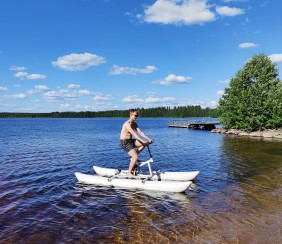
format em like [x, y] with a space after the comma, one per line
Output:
[237, 198]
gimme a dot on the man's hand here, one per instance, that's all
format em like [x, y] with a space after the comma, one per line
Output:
[150, 141]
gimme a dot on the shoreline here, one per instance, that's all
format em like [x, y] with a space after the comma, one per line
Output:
[271, 134]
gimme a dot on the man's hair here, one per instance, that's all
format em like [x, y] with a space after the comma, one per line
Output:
[131, 111]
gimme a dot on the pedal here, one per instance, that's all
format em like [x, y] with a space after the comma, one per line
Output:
[136, 170]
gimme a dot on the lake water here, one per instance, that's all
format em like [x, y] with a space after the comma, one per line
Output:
[237, 197]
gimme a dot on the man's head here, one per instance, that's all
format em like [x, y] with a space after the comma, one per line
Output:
[133, 113]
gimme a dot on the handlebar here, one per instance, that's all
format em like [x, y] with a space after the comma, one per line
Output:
[149, 149]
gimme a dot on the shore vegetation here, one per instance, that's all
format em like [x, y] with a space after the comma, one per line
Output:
[253, 102]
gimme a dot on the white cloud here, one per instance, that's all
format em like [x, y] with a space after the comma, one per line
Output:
[85, 92]
[212, 104]
[35, 77]
[30, 92]
[26, 76]
[65, 106]
[220, 93]
[118, 70]
[38, 89]
[41, 88]
[16, 96]
[73, 86]
[248, 45]
[276, 58]
[132, 99]
[21, 74]
[17, 68]
[70, 94]
[229, 1]
[186, 12]
[159, 99]
[62, 94]
[205, 104]
[77, 107]
[78, 61]
[224, 81]
[67, 94]
[151, 99]
[101, 97]
[173, 79]
[227, 11]
[3, 88]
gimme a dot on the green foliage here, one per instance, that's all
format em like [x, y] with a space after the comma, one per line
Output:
[254, 99]
[176, 112]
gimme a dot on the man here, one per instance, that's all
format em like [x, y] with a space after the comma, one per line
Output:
[128, 143]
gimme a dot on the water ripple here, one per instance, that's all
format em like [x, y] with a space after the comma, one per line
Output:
[235, 199]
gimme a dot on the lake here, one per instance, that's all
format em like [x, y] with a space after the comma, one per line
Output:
[237, 197]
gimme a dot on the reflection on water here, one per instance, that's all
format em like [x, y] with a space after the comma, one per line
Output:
[237, 198]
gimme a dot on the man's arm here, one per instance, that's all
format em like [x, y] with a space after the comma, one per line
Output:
[133, 133]
[143, 134]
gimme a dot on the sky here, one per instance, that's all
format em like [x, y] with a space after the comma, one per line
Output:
[98, 55]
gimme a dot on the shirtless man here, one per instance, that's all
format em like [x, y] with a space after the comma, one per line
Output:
[128, 144]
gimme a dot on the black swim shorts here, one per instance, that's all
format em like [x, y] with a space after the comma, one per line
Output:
[127, 145]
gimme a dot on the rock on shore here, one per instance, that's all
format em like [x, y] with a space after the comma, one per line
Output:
[276, 134]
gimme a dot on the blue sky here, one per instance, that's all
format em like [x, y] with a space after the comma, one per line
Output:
[95, 55]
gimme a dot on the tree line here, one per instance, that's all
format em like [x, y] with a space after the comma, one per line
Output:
[174, 112]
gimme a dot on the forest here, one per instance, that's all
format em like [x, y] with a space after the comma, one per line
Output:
[165, 112]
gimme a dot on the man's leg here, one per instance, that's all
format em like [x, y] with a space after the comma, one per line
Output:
[134, 157]
[139, 146]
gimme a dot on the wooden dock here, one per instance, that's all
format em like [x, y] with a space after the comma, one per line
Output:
[192, 124]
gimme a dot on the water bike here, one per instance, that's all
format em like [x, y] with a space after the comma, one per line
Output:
[150, 180]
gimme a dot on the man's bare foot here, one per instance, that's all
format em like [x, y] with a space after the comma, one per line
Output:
[129, 175]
